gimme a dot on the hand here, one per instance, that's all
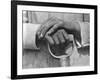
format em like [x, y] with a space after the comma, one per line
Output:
[53, 24]
[59, 37]
[60, 43]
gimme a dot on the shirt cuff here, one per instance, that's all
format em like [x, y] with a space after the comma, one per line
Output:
[85, 34]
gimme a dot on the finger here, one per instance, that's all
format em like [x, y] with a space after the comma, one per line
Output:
[60, 36]
[42, 26]
[48, 26]
[55, 38]
[59, 24]
[65, 35]
[49, 39]
[71, 38]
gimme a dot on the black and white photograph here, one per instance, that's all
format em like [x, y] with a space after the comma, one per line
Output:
[53, 40]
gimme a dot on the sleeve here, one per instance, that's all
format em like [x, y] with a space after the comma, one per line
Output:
[29, 35]
[85, 34]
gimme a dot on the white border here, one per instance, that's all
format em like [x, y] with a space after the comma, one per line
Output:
[21, 71]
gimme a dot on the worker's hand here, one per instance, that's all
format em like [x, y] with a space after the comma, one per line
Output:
[52, 25]
[60, 43]
[59, 37]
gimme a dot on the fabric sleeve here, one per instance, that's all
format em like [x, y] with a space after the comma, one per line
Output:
[85, 34]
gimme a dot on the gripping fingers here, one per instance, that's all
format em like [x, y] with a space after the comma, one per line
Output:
[55, 38]
[57, 25]
[65, 34]
[47, 26]
[42, 27]
[60, 36]
[49, 39]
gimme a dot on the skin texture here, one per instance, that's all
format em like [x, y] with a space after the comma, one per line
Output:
[56, 31]
[42, 58]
